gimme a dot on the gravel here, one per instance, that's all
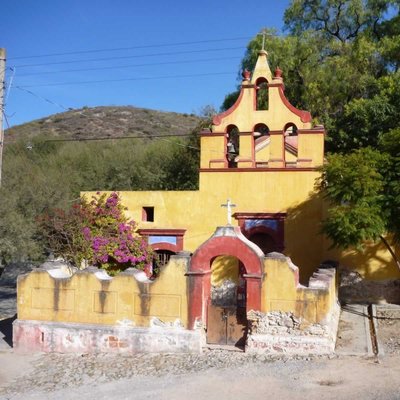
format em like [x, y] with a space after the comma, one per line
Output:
[388, 328]
[53, 372]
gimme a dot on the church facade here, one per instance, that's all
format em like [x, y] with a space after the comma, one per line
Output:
[240, 256]
[264, 159]
[263, 155]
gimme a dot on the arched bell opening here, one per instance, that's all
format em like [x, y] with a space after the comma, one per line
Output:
[262, 94]
[261, 145]
[291, 144]
[232, 147]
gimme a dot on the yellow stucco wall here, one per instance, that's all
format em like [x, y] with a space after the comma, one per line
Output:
[224, 267]
[281, 293]
[199, 212]
[84, 298]
[270, 189]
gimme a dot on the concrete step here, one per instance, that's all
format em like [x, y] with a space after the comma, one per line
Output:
[354, 338]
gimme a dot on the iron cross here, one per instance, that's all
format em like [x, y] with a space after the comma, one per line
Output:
[263, 33]
[229, 206]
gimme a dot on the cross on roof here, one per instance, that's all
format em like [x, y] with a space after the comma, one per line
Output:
[263, 33]
[229, 206]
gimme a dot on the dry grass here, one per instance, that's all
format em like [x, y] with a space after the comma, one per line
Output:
[106, 122]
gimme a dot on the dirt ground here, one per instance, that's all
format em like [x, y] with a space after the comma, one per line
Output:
[68, 377]
[389, 329]
[220, 375]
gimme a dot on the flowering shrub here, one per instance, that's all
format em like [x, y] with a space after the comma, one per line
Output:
[98, 233]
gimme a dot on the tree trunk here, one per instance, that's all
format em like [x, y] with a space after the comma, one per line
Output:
[385, 242]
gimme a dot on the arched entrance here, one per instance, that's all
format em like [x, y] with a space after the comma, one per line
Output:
[226, 311]
[227, 244]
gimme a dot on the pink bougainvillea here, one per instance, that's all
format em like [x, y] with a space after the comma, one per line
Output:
[98, 232]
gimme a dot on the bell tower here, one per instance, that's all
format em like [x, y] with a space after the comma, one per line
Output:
[262, 130]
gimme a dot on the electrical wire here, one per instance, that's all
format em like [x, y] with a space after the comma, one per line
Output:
[128, 66]
[162, 137]
[124, 80]
[100, 138]
[96, 118]
[9, 84]
[173, 53]
[130, 48]
[6, 119]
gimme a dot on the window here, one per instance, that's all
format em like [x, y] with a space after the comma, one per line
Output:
[148, 214]
[162, 257]
[262, 94]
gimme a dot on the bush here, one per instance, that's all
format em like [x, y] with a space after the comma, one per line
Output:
[97, 233]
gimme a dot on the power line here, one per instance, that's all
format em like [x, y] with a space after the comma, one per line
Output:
[100, 119]
[6, 119]
[115, 138]
[123, 80]
[10, 84]
[42, 98]
[129, 66]
[130, 48]
[162, 137]
[131, 56]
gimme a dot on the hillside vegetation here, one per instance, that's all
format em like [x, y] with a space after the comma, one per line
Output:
[105, 122]
[42, 171]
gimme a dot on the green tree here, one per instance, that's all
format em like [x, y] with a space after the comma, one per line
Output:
[46, 175]
[343, 20]
[340, 61]
[363, 192]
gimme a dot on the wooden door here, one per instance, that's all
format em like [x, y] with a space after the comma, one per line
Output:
[226, 325]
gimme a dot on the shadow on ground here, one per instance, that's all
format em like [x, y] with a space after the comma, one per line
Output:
[6, 331]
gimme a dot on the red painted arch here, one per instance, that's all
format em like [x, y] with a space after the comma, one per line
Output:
[228, 245]
[200, 273]
[165, 246]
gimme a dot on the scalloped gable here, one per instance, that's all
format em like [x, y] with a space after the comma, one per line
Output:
[244, 113]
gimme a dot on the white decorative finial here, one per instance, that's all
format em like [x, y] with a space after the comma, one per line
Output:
[229, 206]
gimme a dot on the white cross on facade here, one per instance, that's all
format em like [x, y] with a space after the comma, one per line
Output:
[229, 206]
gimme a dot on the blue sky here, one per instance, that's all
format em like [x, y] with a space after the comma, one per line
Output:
[173, 55]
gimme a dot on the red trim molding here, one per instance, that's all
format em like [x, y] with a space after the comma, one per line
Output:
[313, 131]
[210, 134]
[275, 132]
[258, 215]
[217, 119]
[161, 232]
[259, 169]
[178, 233]
[200, 273]
[277, 235]
[305, 116]
[304, 159]
[218, 161]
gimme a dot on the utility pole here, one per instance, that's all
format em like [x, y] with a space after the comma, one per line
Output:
[2, 84]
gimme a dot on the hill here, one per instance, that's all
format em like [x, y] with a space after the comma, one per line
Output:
[48, 175]
[113, 121]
